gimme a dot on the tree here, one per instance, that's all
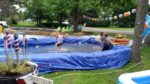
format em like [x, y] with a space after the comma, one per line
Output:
[119, 7]
[142, 9]
[35, 9]
[103, 8]
[7, 8]
[58, 9]
[73, 10]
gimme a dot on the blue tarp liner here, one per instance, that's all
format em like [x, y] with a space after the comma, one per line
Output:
[45, 40]
[50, 62]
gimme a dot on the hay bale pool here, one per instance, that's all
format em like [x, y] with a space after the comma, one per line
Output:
[77, 53]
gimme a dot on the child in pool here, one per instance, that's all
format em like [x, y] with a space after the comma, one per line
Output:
[106, 43]
[101, 34]
[98, 37]
[60, 39]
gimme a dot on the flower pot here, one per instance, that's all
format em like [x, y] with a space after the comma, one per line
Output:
[20, 79]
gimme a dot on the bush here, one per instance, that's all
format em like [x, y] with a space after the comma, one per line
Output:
[98, 23]
[126, 22]
[53, 25]
[13, 21]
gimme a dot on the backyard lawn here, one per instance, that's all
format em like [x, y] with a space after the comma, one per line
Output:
[24, 24]
[117, 28]
[100, 76]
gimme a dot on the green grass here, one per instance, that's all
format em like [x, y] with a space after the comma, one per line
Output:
[24, 24]
[100, 76]
[33, 24]
[117, 28]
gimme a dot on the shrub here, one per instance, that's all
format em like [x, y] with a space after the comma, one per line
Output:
[53, 25]
[98, 23]
[13, 21]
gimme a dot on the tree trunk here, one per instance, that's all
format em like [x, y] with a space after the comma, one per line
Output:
[74, 19]
[40, 21]
[142, 9]
[37, 21]
[3, 16]
[75, 15]
[60, 18]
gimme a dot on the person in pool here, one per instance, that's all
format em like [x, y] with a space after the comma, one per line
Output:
[101, 34]
[60, 39]
[106, 43]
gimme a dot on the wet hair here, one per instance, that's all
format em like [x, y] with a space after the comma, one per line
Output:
[106, 35]
[101, 33]
[7, 32]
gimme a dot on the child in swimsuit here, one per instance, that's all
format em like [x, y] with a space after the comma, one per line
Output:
[60, 39]
[101, 34]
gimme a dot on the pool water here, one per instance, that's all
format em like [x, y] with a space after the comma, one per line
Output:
[142, 80]
[66, 47]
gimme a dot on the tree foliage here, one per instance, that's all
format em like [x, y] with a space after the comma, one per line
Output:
[7, 8]
[73, 10]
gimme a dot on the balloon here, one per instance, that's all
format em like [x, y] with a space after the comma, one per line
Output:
[110, 18]
[120, 15]
[133, 10]
[102, 19]
[115, 17]
[93, 19]
[145, 25]
[99, 19]
[89, 18]
[126, 14]
[84, 16]
[106, 18]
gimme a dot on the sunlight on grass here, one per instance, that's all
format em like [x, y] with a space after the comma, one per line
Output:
[25, 24]
[117, 28]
